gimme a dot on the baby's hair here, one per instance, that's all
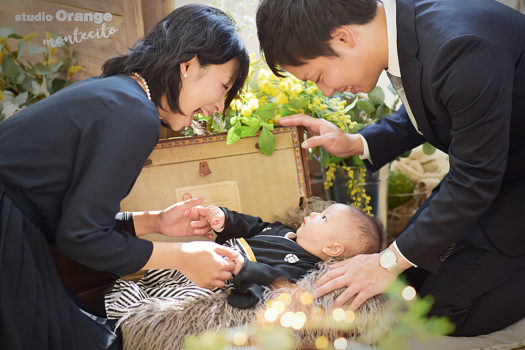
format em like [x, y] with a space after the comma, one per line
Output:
[370, 232]
[370, 229]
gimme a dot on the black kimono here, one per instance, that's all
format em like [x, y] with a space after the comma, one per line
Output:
[66, 162]
[269, 251]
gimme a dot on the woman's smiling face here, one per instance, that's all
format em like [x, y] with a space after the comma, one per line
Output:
[203, 91]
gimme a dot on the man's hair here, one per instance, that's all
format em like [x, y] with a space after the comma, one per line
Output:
[187, 31]
[293, 31]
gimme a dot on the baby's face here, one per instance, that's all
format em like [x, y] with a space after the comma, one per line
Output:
[318, 229]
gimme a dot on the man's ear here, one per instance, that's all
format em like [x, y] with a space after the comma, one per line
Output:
[334, 249]
[343, 35]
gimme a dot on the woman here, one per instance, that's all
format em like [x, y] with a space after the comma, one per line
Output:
[67, 162]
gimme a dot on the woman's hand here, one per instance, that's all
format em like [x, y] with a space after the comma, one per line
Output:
[207, 217]
[362, 275]
[176, 220]
[207, 264]
[326, 135]
[239, 261]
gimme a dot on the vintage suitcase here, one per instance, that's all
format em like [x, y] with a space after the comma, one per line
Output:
[237, 176]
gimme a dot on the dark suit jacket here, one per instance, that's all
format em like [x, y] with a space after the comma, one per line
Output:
[463, 69]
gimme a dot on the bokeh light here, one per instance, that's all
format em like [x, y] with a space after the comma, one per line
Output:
[240, 338]
[338, 314]
[306, 298]
[408, 293]
[322, 342]
[340, 343]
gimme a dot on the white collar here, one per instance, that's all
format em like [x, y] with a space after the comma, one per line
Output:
[391, 31]
[291, 236]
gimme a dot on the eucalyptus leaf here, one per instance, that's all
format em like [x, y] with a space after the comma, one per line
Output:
[428, 149]
[9, 68]
[32, 48]
[266, 142]
[351, 105]
[40, 69]
[366, 106]
[21, 98]
[27, 84]
[21, 47]
[5, 32]
[21, 76]
[376, 96]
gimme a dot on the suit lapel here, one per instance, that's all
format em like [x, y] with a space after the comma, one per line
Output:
[411, 67]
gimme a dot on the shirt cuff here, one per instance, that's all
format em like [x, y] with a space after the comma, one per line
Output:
[404, 257]
[366, 151]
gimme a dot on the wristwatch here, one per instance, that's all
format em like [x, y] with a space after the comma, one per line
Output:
[388, 260]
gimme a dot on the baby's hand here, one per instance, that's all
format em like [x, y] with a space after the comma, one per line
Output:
[239, 261]
[215, 217]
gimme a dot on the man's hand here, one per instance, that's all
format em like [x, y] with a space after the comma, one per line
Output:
[361, 274]
[327, 135]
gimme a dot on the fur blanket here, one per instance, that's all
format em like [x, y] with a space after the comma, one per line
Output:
[165, 324]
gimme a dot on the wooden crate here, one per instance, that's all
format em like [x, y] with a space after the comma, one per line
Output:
[240, 176]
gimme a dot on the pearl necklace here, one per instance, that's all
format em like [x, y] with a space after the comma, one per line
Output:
[146, 87]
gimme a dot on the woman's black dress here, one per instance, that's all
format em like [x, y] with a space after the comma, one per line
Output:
[66, 162]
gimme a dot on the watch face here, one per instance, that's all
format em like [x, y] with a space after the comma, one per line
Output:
[388, 259]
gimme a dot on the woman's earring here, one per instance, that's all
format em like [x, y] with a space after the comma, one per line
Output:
[185, 75]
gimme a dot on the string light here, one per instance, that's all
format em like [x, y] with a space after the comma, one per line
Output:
[408, 293]
[340, 343]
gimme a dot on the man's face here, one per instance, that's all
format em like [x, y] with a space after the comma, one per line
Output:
[356, 68]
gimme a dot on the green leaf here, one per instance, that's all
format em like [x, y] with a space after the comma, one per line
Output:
[266, 142]
[266, 111]
[351, 105]
[58, 84]
[21, 47]
[40, 69]
[357, 161]
[324, 157]
[376, 96]
[428, 149]
[21, 76]
[299, 102]
[251, 128]
[21, 98]
[16, 36]
[5, 32]
[9, 68]
[366, 106]
[32, 48]
[234, 134]
[286, 110]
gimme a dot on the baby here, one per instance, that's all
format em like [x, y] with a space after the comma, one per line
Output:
[268, 251]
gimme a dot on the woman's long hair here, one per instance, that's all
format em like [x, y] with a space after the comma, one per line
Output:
[187, 31]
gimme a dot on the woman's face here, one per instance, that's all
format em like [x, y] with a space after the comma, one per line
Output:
[203, 91]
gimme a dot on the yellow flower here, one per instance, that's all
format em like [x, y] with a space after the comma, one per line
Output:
[73, 70]
[253, 104]
[236, 105]
[1, 95]
[281, 98]
[246, 112]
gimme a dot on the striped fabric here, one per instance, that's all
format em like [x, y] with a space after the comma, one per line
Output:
[172, 285]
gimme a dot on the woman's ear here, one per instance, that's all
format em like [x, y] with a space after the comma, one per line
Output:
[343, 35]
[190, 66]
[334, 249]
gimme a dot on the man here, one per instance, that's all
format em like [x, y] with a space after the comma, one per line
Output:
[459, 68]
